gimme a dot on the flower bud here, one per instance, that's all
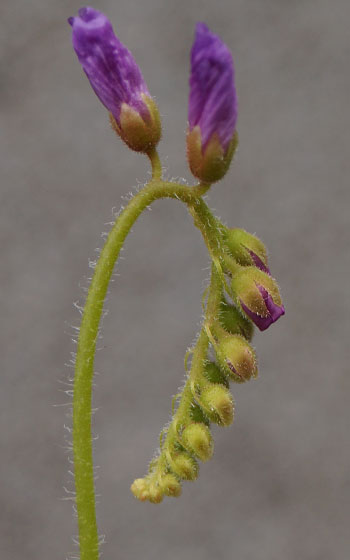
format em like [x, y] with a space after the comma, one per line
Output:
[258, 295]
[140, 489]
[237, 358]
[233, 321]
[247, 249]
[170, 486]
[197, 439]
[217, 402]
[214, 374]
[116, 79]
[155, 494]
[212, 110]
[185, 466]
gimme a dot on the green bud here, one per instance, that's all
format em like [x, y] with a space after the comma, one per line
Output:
[214, 374]
[140, 489]
[247, 249]
[170, 486]
[185, 466]
[237, 358]
[233, 321]
[218, 404]
[197, 439]
[155, 494]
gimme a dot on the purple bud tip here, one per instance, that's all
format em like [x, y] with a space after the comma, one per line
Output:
[212, 100]
[274, 311]
[258, 262]
[109, 65]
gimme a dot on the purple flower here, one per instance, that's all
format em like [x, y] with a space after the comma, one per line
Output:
[109, 65]
[213, 100]
[257, 294]
[274, 311]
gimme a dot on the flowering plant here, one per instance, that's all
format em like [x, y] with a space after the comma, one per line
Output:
[241, 289]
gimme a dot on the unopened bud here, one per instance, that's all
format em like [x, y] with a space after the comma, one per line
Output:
[237, 358]
[197, 439]
[171, 486]
[233, 321]
[155, 494]
[247, 249]
[212, 108]
[218, 404]
[185, 466]
[258, 296]
[116, 79]
[140, 489]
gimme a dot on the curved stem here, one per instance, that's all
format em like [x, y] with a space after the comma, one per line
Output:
[82, 399]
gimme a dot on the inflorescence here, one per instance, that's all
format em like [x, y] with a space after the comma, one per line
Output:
[242, 292]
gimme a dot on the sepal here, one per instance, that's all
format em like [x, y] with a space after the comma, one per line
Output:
[211, 163]
[140, 133]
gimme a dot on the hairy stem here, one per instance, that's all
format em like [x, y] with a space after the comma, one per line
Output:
[84, 369]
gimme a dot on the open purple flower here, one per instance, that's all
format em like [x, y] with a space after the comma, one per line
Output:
[212, 108]
[257, 294]
[113, 74]
[213, 101]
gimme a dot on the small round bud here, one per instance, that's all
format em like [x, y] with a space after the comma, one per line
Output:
[171, 486]
[155, 494]
[233, 321]
[214, 374]
[237, 358]
[185, 466]
[218, 404]
[140, 489]
[197, 439]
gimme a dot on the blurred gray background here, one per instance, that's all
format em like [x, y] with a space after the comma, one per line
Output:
[279, 483]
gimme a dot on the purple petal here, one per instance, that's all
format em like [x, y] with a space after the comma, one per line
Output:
[109, 65]
[258, 262]
[275, 311]
[213, 100]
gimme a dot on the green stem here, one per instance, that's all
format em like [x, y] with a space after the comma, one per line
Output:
[82, 399]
